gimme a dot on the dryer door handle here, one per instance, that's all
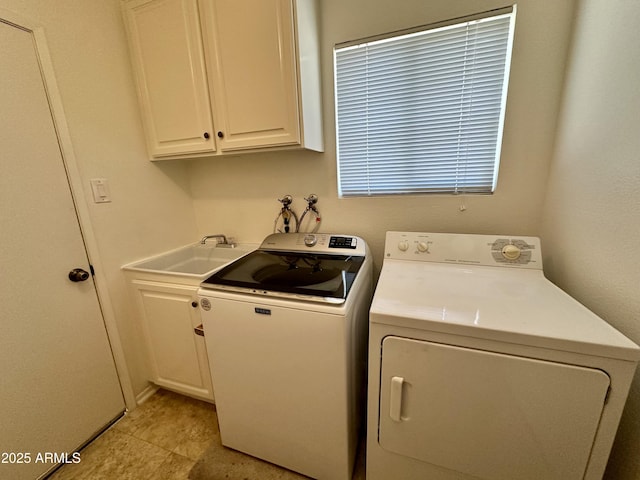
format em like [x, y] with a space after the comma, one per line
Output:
[395, 399]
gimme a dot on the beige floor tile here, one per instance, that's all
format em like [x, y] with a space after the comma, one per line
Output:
[115, 455]
[183, 425]
[161, 439]
[199, 429]
[149, 411]
[175, 467]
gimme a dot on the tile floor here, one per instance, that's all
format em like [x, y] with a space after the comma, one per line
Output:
[161, 439]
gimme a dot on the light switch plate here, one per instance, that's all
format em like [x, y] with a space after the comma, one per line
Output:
[100, 189]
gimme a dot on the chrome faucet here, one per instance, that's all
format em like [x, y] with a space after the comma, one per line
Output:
[221, 240]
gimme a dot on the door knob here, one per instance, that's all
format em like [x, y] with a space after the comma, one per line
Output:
[78, 275]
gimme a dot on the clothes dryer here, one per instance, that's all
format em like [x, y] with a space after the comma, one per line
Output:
[481, 368]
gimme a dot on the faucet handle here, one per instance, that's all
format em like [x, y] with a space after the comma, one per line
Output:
[286, 200]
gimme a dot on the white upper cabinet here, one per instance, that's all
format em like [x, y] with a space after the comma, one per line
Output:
[166, 47]
[250, 55]
[226, 76]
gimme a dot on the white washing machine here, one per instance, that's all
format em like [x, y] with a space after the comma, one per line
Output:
[480, 368]
[286, 334]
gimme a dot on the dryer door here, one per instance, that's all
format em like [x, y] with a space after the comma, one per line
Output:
[486, 414]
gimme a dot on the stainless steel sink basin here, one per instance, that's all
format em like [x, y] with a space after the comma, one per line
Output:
[195, 260]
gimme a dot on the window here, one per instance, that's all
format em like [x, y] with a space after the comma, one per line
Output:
[422, 111]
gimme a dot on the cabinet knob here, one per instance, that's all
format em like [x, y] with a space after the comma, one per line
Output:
[206, 135]
[220, 135]
[194, 304]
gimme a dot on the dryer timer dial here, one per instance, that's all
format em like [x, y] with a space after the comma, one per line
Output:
[511, 252]
[403, 245]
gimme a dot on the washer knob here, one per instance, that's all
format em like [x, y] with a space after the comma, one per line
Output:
[310, 240]
[510, 252]
[423, 247]
[403, 245]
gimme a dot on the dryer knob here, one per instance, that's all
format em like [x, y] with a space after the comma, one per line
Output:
[511, 252]
[403, 245]
[423, 247]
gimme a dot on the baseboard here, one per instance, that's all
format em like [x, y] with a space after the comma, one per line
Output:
[146, 393]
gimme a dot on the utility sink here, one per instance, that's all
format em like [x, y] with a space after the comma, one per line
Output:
[196, 260]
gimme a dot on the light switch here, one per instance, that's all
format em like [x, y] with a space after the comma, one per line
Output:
[100, 189]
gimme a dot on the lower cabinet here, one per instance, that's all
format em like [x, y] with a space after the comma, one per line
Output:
[175, 340]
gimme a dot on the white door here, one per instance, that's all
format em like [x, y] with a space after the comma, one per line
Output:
[488, 415]
[58, 381]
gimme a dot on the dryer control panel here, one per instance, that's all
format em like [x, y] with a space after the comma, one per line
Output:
[465, 249]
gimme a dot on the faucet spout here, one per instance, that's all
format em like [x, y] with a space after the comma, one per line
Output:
[222, 239]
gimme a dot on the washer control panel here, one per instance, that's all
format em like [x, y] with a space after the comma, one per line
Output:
[489, 250]
[316, 243]
[342, 242]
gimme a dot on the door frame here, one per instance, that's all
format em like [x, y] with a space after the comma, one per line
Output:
[77, 194]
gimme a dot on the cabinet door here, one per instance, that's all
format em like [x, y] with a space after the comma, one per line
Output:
[167, 56]
[178, 357]
[488, 415]
[251, 59]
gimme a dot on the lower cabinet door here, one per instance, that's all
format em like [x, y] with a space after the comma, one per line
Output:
[177, 351]
[488, 415]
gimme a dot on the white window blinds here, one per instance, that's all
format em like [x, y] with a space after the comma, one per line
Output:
[423, 112]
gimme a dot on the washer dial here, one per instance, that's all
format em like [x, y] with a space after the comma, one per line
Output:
[310, 240]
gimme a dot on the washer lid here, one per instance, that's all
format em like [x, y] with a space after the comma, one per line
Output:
[509, 305]
[299, 275]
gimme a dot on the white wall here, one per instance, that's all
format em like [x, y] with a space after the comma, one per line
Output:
[591, 228]
[151, 209]
[237, 195]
